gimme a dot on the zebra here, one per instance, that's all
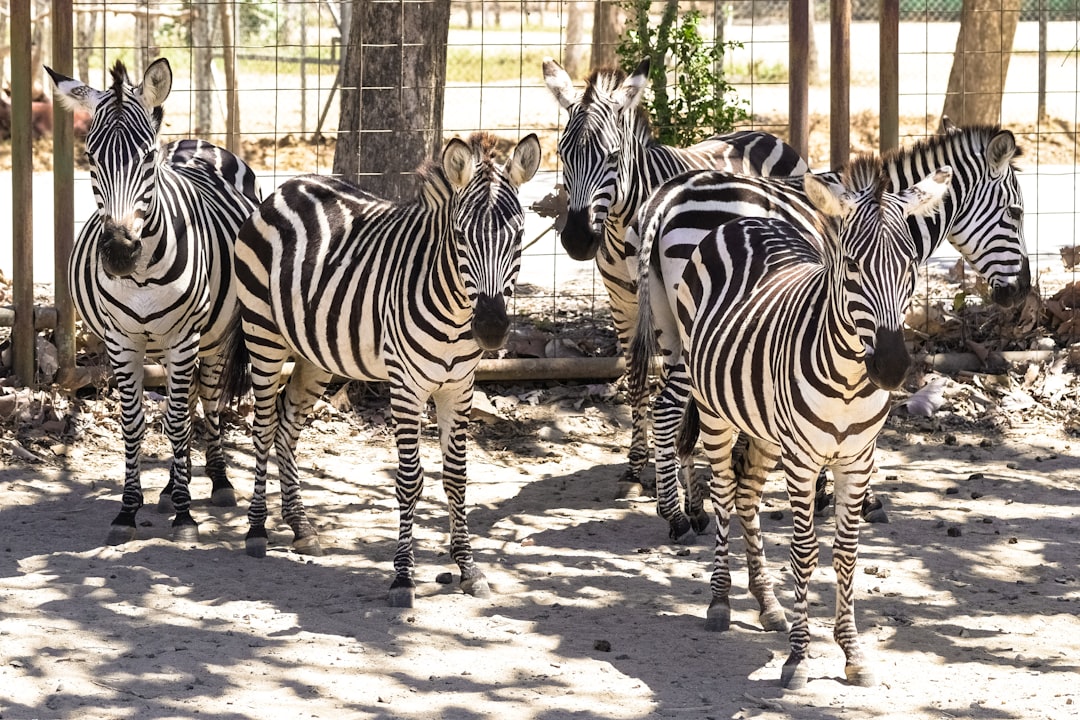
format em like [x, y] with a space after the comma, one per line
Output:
[795, 341]
[611, 162]
[151, 273]
[358, 287]
[982, 217]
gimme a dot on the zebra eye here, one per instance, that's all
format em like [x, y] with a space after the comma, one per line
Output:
[1014, 212]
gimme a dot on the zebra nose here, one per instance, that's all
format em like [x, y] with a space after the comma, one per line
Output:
[578, 238]
[119, 249]
[1012, 291]
[888, 364]
[490, 324]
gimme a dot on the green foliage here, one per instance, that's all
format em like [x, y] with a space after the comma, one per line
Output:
[700, 102]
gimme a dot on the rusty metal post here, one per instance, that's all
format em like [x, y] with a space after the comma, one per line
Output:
[799, 76]
[24, 338]
[63, 196]
[889, 67]
[840, 84]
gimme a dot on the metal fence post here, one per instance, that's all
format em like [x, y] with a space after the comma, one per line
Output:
[63, 197]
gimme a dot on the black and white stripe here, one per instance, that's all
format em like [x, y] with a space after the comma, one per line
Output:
[982, 217]
[795, 341]
[151, 273]
[355, 286]
[611, 163]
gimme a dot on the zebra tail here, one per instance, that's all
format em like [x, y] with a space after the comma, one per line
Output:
[643, 345]
[689, 429]
[236, 370]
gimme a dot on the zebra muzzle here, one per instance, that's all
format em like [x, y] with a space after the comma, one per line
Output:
[888, 364]
[119, 250]
[1013, 291]
[578, 238]
[490, 324]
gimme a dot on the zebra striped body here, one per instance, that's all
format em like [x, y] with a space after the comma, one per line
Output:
[982, 216]
[795, 341]
[151, 273]
[611, 163]
[410, 293]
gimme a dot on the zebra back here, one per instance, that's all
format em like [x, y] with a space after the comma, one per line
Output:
[375, 290]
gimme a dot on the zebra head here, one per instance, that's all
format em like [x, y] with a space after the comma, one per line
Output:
[122, 147]
[874, 259]
[988, 229]
[588, 148]
[488, 223]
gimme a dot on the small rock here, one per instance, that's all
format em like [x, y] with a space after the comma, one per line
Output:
[952, 491]
[953, 531]
[444, 578]
[602, 646]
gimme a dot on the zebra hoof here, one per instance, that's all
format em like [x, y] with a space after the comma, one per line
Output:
[308, 545]
[860, 675]
[401, 596]
[477, 587]
[718, 616]
[877, 516]
[223, 497]
[165, 504]
[700, 522]
[682, 532]
[629, 491]
[255, 547]
[795, 674]
[774, 621]
[120, 534]
[185, 534]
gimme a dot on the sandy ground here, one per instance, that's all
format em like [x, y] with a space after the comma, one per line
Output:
[968, 600]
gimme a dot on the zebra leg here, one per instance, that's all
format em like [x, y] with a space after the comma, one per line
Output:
[304, 387]
[453, 406]
[407, 411]
[623, 302]
[752, 468]
[127, 363]
[695, 485]
[718, 438]
[668, 412]
[851, 482]
[873, 510]
[266, 365]
[801, 478]
[180, 361]
[222, 494]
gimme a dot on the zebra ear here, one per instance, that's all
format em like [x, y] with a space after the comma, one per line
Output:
[632, 88]
[1000, 151]
[457, 162]
[828, 193]
[74, 94]
[156, 84]
[524, 161]
[925, 197]
[559, 83]
[947, 126]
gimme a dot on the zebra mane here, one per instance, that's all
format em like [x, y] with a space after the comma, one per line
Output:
[604, 80]
[866, 172]
[120, 80]
[931, 146]
[483, 145]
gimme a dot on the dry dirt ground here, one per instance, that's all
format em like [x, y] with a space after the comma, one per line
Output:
[968, 600]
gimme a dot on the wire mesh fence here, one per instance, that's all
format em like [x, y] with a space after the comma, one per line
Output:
[287, 85]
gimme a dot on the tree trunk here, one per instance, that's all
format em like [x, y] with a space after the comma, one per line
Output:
[576, 51]
[86, 27]
[202, 72]
[392, 94]
[607, 30]
[232, 99]
[981, 62]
